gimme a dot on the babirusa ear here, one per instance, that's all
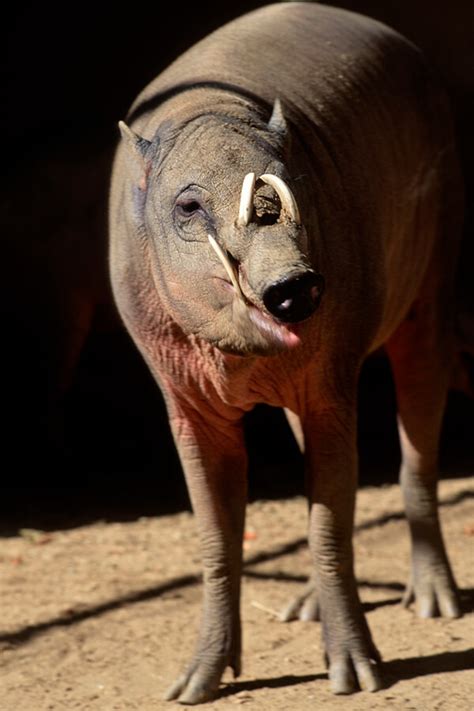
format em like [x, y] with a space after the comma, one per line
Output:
[136, 143]
[277, 122]
[138, 151]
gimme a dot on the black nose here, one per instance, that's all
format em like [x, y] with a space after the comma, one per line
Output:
[296, 298]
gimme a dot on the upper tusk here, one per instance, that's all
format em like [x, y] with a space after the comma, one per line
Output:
[287, 198]
[246, 199]
[227, 266]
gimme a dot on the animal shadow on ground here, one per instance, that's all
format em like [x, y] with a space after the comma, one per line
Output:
[393, 671]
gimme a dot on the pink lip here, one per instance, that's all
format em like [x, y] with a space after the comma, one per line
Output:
[277, 332]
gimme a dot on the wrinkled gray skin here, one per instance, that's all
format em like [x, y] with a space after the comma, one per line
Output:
[367, 150]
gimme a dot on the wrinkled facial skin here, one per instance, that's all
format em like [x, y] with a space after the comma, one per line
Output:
[193, 191]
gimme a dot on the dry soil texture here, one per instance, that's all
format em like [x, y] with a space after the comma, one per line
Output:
[102, 617]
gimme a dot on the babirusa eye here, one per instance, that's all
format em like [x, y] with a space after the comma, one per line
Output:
[188, 207]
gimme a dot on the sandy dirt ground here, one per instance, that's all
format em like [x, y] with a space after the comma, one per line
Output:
[102, 617]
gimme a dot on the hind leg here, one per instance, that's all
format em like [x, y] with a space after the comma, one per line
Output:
[421, 355]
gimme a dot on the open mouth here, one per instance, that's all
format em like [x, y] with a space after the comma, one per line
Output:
[278, 333]
[281, 335]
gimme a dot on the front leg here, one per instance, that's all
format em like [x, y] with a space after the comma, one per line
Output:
[213, 457]
[331, 457]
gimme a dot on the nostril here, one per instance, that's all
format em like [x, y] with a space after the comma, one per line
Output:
[295, 298]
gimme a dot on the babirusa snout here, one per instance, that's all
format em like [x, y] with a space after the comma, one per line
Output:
[294, 298]
[287, 199]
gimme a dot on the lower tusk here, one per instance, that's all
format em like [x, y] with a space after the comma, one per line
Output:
[287, 198]
[246, 200]
[227, 266]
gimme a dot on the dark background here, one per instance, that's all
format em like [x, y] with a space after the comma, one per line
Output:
[84, 429]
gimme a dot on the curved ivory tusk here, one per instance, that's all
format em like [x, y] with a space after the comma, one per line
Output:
[227, 266]
[287, 198]
[246, 199]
